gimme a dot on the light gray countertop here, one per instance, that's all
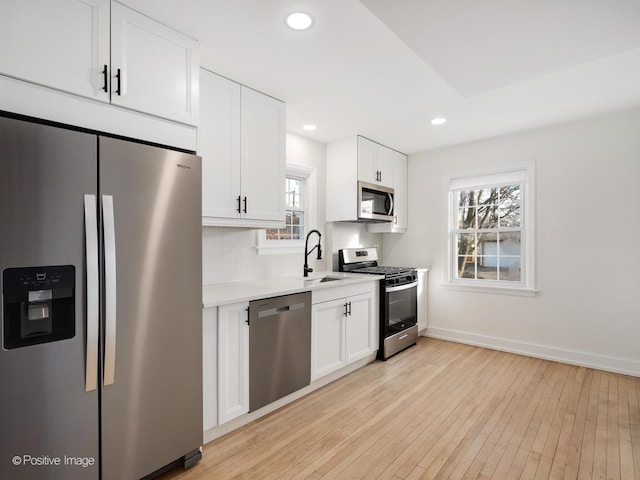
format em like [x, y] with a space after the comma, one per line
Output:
[247, 290]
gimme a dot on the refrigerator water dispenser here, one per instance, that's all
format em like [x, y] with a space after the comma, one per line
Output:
[38, 305]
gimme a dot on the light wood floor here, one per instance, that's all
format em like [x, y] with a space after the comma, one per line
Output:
[443, 410]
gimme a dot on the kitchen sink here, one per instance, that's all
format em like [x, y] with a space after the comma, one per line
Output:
[329, 279]
[315, 281]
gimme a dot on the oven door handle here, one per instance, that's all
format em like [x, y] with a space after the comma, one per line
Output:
[401, 287]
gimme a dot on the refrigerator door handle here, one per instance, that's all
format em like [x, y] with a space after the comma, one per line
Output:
[109, 290]
[93, 291]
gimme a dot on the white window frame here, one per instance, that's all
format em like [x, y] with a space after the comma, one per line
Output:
[283, 247]
[523, 174]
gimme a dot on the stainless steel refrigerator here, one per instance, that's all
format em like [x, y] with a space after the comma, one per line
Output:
[100, 274]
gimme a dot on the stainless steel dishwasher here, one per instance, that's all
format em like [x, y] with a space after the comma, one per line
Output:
[279, 347]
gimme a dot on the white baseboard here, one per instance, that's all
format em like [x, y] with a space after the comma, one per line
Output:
[584, 359]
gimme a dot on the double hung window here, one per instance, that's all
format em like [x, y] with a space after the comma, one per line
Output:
[491, 229]
[294, 225]
[299, 194]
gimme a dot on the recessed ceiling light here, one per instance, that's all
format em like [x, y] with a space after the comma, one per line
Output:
[309, 128]
[438, 121]
[299, 21]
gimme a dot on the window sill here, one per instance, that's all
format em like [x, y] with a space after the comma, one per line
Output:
[493, 289]
[291, 249]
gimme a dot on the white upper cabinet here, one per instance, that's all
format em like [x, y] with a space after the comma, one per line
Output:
[400, 204]
[356, 159]
[367, 160]
[154, 69]
[375, 163]
[219, 145]
[62, 44]
[241, 139]
[263, 157]
[104, 51]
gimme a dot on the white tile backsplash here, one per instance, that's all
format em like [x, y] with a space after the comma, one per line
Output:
[229, 254]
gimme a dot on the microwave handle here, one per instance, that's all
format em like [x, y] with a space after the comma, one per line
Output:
[390, 212]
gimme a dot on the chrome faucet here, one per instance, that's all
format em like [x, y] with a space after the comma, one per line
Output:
[307, 270]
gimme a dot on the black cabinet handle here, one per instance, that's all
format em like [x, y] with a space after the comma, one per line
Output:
[247, 320]
[239, 210]
[245, 205]
[105, 79]
[118, 83]
[345, 309]
[349, 304]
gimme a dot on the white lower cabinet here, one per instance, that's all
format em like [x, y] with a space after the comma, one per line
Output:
[344, 331]
[343, 328]
[423, 277]
[327, 337]
[209, 368]
[233, 361]
[359, 328]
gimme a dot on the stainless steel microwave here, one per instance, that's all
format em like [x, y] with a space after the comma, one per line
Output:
[375, 203]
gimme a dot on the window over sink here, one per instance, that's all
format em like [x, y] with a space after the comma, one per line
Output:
[294, 227]
[300, 193]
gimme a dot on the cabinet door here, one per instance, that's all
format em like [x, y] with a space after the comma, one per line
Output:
[367, 161]
[219, 145]
[359, 327]
[209, 368]
[423, 277]
[62, 44]
[157, 67]
[262, 150]
[385, 165]
[233, 361]
[327, 337]
[400, 189]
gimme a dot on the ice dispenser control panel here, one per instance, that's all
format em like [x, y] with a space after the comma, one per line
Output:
[38, 305]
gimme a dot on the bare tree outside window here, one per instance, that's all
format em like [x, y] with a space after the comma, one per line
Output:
[488, 233]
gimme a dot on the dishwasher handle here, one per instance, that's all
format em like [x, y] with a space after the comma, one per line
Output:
[268, 312]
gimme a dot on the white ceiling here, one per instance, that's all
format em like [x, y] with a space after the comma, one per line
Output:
[385, 68]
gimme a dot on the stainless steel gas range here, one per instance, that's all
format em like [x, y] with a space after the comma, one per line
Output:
[398, 298]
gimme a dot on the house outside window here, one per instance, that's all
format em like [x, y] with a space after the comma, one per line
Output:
[491, 229]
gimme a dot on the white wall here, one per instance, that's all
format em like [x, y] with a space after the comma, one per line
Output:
[351, 235]
[587, 310]
[229, 254]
